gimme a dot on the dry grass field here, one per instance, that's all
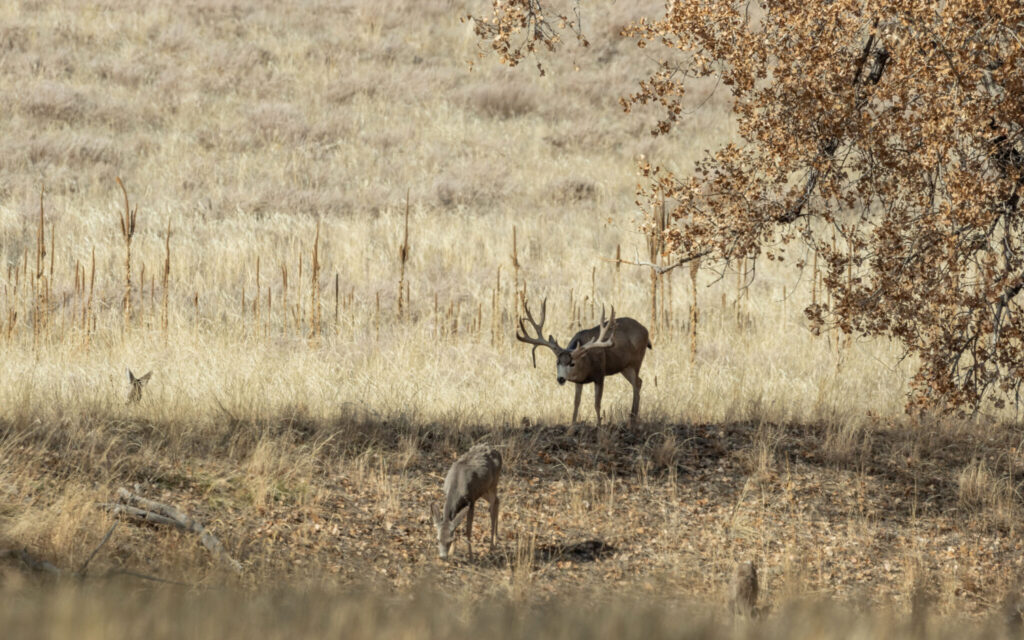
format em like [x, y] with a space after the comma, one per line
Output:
[307, 416]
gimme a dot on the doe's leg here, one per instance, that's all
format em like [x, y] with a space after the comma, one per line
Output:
[469, 530]
[494, 518]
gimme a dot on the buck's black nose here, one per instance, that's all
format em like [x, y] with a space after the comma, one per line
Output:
[561, 380]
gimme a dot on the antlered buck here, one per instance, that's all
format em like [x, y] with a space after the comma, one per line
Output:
[615, 346]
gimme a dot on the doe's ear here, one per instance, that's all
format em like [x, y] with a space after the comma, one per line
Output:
[458, 518]
[145, 378]
[131, 376]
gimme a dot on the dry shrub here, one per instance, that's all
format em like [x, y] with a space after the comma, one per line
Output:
[473, 188]
[280, 122]
[982, 491]
[57, 101]
[277, 472]
[665, 454]
[846, 443]
[574, 190]
[500, 100]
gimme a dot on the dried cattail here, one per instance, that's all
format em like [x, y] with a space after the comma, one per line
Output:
[299, 312]
[694, 309]
[618, 267]
[515, 276]
[314, 285]
[284, 295]
[256, 298]
[593, 290]
[403, 255]
[38, 284]
[495, 310]
[814, 279]
[87, 316]
[127, 232]
[376, 318]
[166, 278]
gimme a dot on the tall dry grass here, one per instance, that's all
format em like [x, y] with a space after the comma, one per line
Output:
[243, 133]
[269, 151]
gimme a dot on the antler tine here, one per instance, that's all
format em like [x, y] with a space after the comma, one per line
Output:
[539, 341]
[604, 335]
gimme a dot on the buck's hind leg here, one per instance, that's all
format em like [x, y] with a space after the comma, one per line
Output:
[634, 379]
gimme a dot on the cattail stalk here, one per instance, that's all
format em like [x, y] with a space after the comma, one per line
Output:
[403, 256]
[127, 232]
[814, 280]
[694, 310]
[299, 312]
[256, 298]
[37, 284]
[314, 283]
[515, 276]
[376, 319]
[284, 295]
[87, 312]
[166, 279]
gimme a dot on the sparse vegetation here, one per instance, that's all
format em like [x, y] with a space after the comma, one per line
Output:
[306, 418]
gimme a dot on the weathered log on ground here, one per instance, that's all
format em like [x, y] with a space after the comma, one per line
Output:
[154, 512]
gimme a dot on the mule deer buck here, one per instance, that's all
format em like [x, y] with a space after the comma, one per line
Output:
[474, 475]
[135, 393]
[615, 346]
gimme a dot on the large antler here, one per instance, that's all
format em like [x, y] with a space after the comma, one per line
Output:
[539, 341]
[603, 339]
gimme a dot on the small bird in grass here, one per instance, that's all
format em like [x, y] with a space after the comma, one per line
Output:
[743, 590]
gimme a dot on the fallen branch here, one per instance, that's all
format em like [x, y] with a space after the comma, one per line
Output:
[155, 512]
[659, 268]
[144, 576]
[110, 532]
[42, 566]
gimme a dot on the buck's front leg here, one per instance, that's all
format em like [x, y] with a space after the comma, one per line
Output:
[576, 402]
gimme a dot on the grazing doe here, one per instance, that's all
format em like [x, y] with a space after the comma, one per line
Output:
[615, 346]
[743, 590]
[474, 475]
[135, 393]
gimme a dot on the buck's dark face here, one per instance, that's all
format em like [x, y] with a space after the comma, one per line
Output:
[568, 368]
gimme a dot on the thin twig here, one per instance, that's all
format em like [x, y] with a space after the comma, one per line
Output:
[110, 532]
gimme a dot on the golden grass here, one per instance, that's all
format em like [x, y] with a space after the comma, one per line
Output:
[269, 153]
